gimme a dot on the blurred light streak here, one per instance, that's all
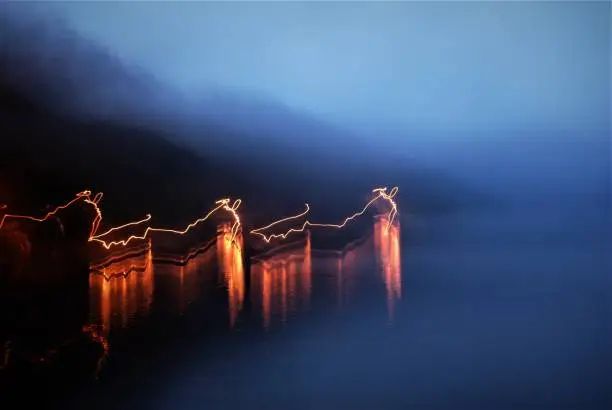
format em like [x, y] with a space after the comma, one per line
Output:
[381, 193]
[222, 204]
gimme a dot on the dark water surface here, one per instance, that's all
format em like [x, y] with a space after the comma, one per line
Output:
[490, 310]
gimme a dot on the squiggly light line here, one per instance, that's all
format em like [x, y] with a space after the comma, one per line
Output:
[120, 256]
[98, 238]
[123, 274]
[117, 228]
[224, 204]
[381, 194]
[221, 204]
[233, 210]
[256, 231]
[188, 256]
[84, 194]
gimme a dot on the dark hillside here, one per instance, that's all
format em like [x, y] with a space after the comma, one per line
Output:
[47, 159]
[142, 153]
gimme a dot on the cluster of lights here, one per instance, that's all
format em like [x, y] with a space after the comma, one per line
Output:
[225, 204]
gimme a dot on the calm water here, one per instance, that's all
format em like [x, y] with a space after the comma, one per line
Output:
[498, 310]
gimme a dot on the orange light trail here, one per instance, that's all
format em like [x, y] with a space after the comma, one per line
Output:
[84, 194]
[233, 209]
[123, 274]
[256, 231]
[117, 228]
[221, 204]
[120, 256]
[225, 204]
[381, 193]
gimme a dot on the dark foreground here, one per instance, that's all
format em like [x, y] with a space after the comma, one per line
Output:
[501, 310]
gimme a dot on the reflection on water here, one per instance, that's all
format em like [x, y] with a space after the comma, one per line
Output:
[180, 285]
[121, 287]
[230, 257]
[121, 291]
[142, 285]
[281, 284]
[346, 267]
[387, 250]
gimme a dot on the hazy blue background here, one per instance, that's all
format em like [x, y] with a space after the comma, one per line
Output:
[505, 306]
[440, 66]
[513, 96]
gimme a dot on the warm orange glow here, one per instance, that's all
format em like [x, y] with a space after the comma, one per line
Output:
[96, 237]
[233, 209]
[187, 257]
[381, 193]
[122, 265]
[266, 297]
[81, 195]
[230, 256]
[117, 228]
[121, 291]
[289, 218]
[281, 283]
[306, 277]
[119, 256]
[387, 247]
[182, 285]
[221, 204]
[225, 204]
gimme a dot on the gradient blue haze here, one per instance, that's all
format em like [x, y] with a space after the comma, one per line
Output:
[399, 65]
[502, 307]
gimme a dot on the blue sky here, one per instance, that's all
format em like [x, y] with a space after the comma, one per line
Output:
[389, 65]
[505, 95]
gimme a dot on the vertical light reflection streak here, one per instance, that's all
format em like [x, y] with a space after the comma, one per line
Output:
[281, 284]
[266, 294]
[387, 247]
[283, 290]
[121, 291]
[182, 299]
[229, 248]
[180, 281]
[306, 273]
[292, 274]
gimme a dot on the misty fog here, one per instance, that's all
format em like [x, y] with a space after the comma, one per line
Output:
[503, 98]
[492, 118]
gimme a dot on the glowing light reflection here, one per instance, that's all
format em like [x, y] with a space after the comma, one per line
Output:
[387, 247]
[121, 291]
[94, 236]
[222, 204]
[230, 258]
[281, 283]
